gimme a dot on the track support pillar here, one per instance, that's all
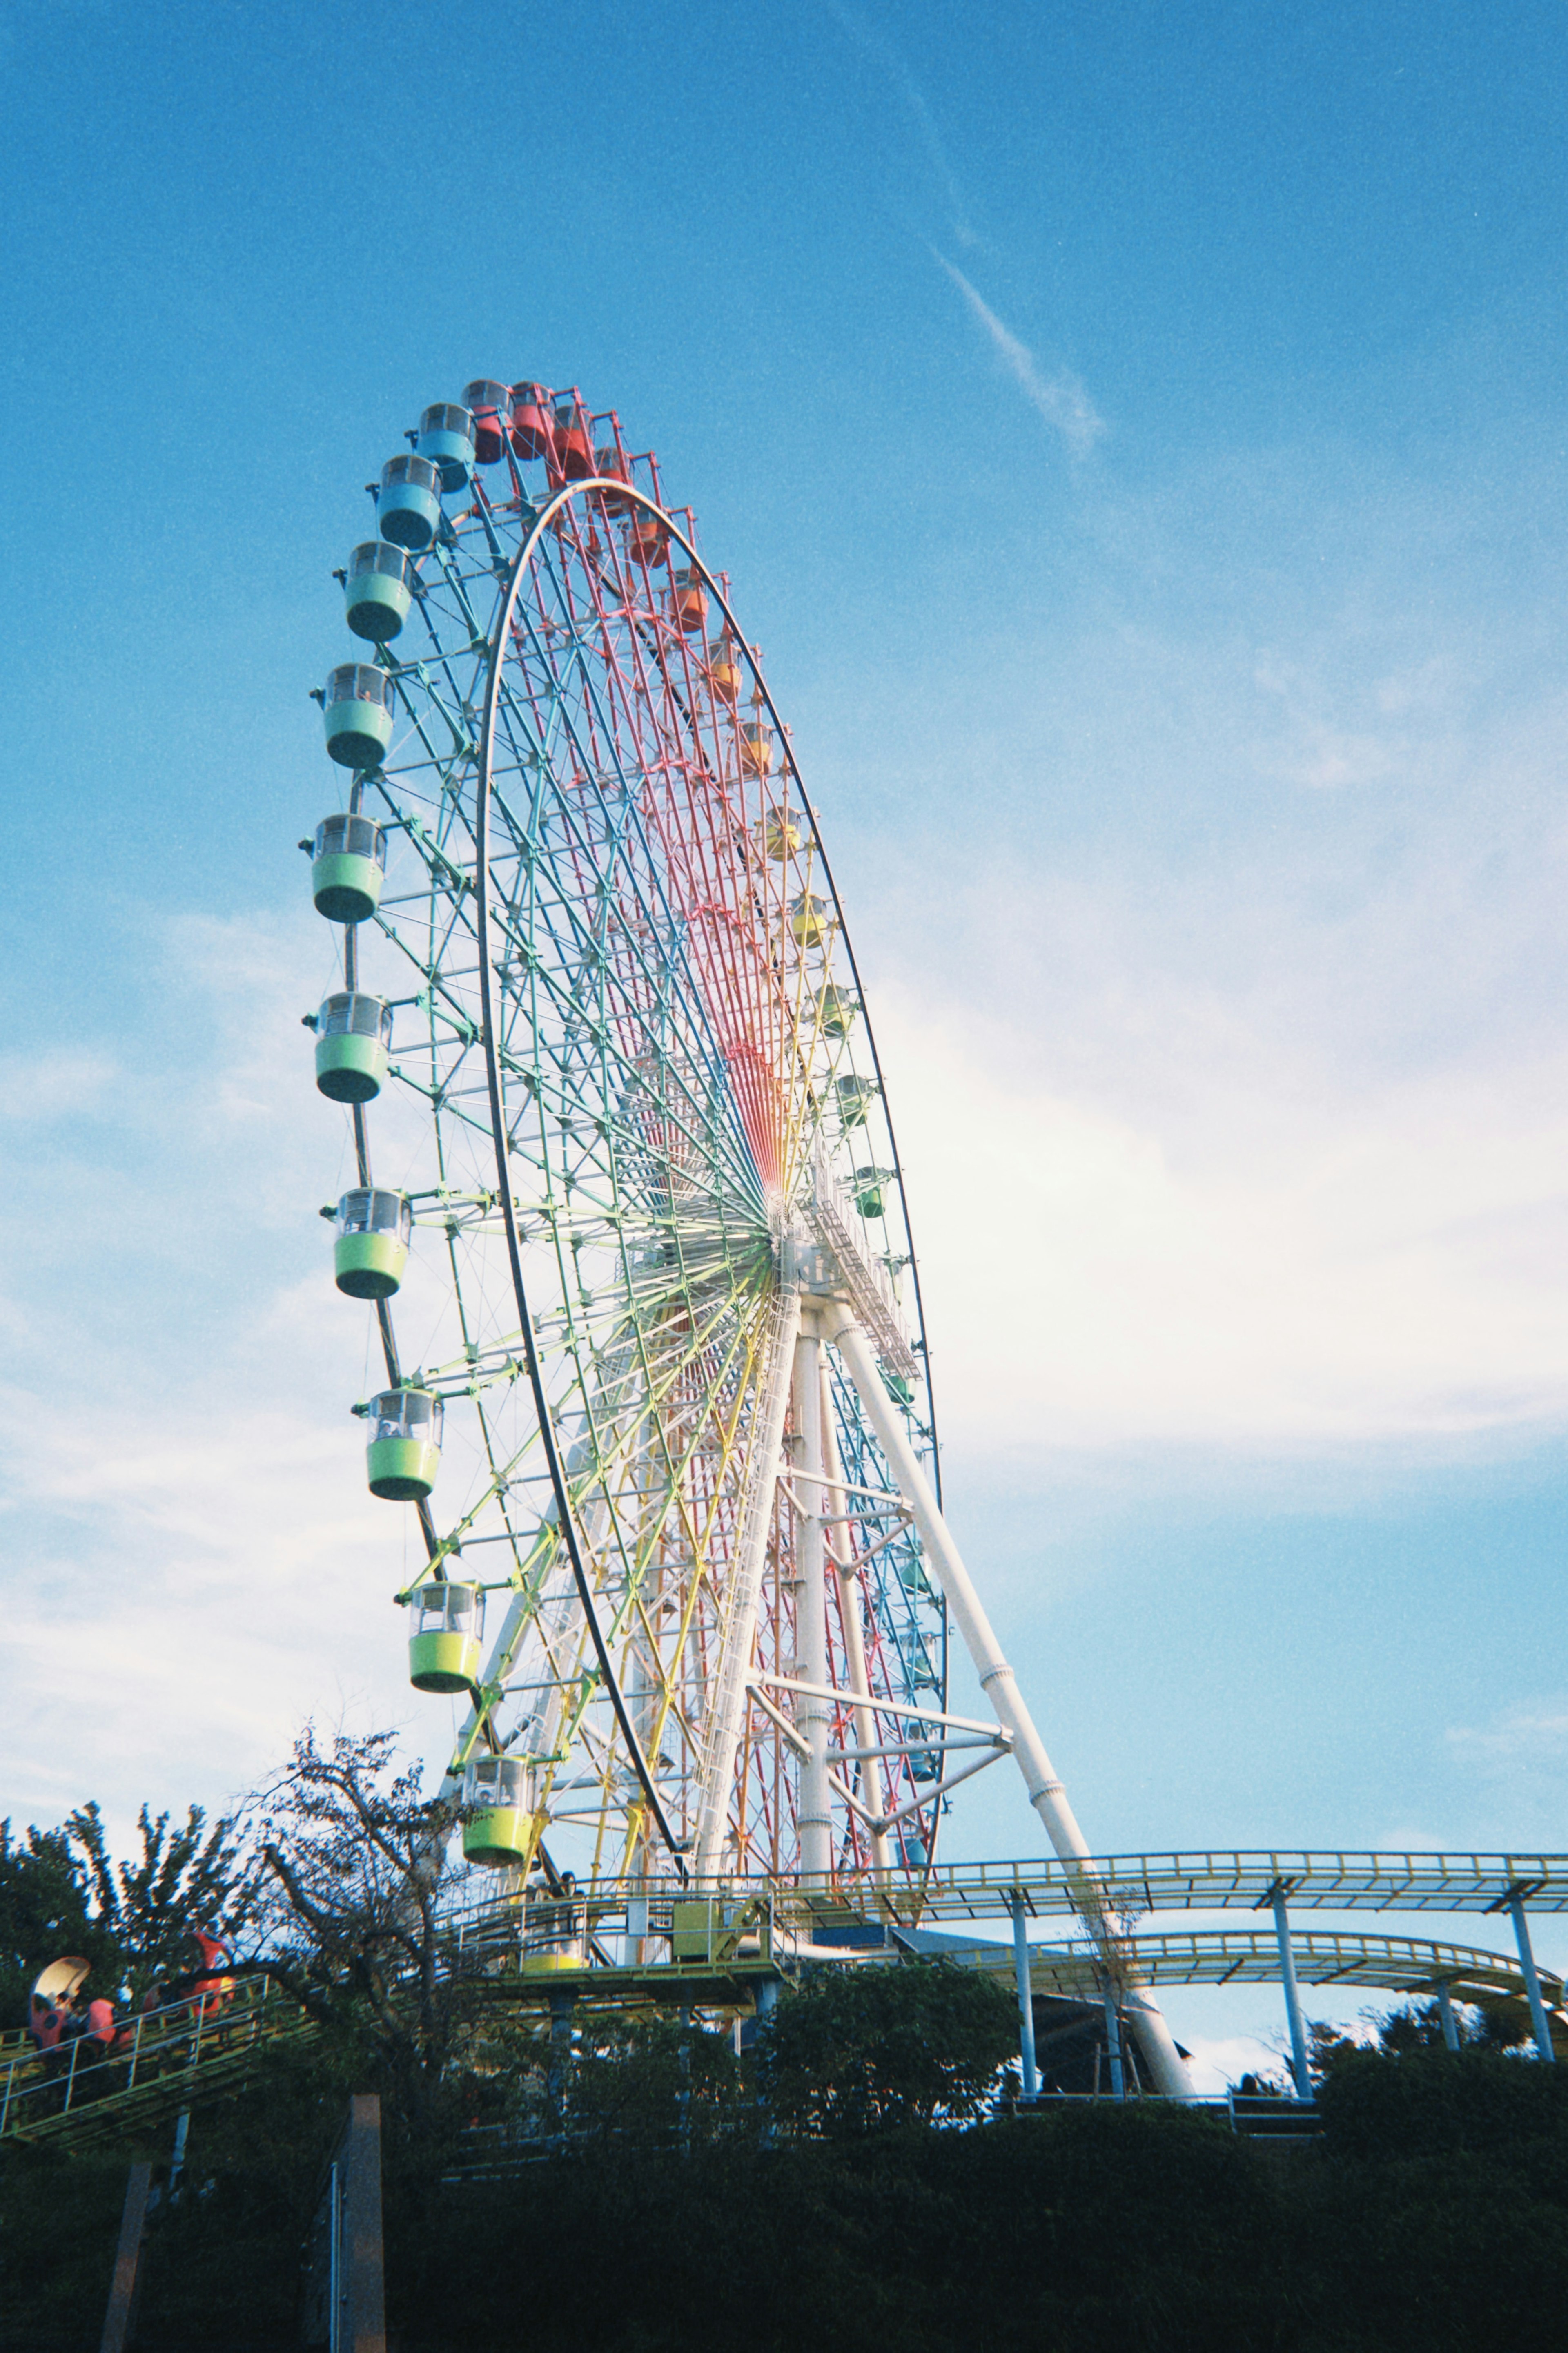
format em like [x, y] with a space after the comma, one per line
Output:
[1531, 1981]
[1300, 2067]
[1028, 2068]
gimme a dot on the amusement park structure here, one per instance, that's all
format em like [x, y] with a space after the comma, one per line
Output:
[671, 1430]
[637, 1193]
[635, 1249]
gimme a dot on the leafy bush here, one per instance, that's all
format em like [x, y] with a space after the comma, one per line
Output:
[854, 2051]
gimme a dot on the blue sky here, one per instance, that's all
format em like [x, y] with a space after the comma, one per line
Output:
[1136, 435]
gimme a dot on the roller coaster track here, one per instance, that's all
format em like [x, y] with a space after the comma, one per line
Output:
[181, 2055]
[170, 2059]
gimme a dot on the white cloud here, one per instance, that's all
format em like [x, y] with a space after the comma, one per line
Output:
[197, 1573]
[1154, 1212]
[1060, 399]
[43, 1087]
[1533, 1735]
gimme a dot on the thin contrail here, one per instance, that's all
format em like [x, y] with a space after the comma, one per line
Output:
[1061, 400]
[882, 53]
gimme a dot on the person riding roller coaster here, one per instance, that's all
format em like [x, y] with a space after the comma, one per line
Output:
[212, 1990]
[202, 1981]
[57, 2017]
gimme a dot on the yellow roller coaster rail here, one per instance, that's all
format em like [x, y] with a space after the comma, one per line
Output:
[170, 2058]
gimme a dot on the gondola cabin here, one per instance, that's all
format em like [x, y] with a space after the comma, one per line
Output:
[572, 449]
[447, 436]
[347, 867]
[490, 406]
[498, 1829]
[408, 504]
[370, 1253]
[756, 750]
[446, 1625]
[781, 835]
[354, 1042]
[646, 538]
[870, 1187]
[838, 1008]
[378, 591]
[854, 1096]
[690, 601]
[724, 670]
[404, 1452]
[532, 431]
[810, 921]
[356, 710]
[609, 464]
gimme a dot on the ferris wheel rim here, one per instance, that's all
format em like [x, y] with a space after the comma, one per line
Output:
[680, 1325]
[556, 503]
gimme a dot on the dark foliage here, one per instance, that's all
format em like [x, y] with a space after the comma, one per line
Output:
[347, 1917]
[62, 1892]
[1434, 2104]
[1433, 2216]
[44, 1914]
[860, 2051]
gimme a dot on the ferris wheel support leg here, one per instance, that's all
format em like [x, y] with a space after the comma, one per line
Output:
[814, 1713]
[843, 1557]
[756, 1526]
[997, 1680]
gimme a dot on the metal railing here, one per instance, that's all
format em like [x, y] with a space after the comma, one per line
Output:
[162, 2053]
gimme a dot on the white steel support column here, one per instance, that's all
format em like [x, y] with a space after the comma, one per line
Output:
[1047, 1795]
[1531, 1982]
[1446, 2014]
[841, 1552]
[813, 1714]
[1300, 2068]
[730, 1700]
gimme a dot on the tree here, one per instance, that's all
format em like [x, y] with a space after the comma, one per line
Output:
[347, 1914]
[183, 1879]
[635, 2079]
[854, 2050]
[61, 1892]
[43, 1914]
[1411, 2029]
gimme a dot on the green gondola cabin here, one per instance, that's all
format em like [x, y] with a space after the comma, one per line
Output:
[498, 1829]
[405, 1450]
[371, 1251]
[357, 709]
[347, 867]
[354, 1040]
[446, 1625]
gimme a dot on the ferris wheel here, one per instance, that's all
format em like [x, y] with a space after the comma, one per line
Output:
[633, 1233]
